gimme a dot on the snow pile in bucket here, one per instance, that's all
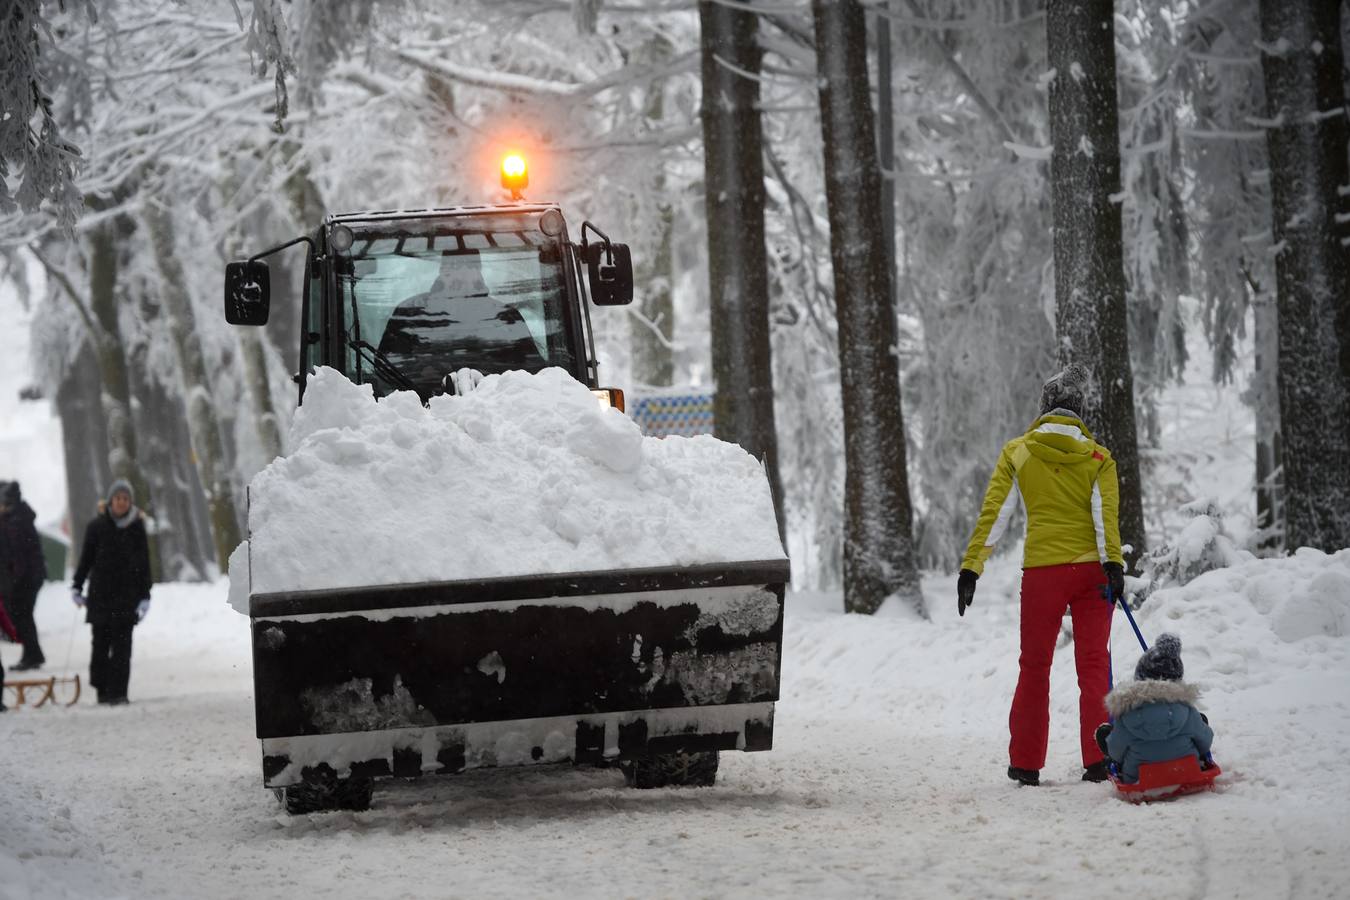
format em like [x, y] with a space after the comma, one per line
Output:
[527, 474]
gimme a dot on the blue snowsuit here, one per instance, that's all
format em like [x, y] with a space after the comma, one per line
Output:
[1156, 721]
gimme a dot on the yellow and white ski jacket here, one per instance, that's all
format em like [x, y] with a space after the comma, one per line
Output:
[1067, 482]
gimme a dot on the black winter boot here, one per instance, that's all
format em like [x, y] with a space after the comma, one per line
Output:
[1030, 777]
[1096, 772]
[1101, 734]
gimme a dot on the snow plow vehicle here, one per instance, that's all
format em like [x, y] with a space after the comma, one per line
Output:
[654, 669]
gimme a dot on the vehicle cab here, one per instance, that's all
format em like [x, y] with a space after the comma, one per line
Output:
[409, 300]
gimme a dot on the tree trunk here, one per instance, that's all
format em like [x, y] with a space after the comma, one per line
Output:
[254, 357]
[878, 542]
[123, 461]
[1265, 394]
[79, 403]
[737, 267]
[653, 358]
[306, 206]
[253, 341]
[1301, 59]
[208, 448]
[166, 453]
[886, 136]
[1090, 317]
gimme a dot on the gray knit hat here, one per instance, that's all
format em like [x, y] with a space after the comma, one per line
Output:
[1066, 390]
[1162, 661]
[122, 484]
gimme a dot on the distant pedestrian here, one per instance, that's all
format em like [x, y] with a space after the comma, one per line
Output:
[1072, 560]
[116, 560]
[23, 569]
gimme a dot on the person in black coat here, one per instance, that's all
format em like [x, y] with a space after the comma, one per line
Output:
[23, 569]
[116, 560]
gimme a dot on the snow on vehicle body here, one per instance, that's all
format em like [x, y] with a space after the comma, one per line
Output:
[618, 600]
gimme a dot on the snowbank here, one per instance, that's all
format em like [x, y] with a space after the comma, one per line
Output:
[1242, 625]
[528, 474]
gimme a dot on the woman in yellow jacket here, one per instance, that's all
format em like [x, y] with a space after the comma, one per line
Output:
[1072, 560]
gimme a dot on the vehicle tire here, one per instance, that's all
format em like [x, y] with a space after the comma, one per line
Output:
[697, 769]
[322, 791]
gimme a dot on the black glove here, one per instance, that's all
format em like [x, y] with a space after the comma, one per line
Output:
[1115, 582]
[965, 590]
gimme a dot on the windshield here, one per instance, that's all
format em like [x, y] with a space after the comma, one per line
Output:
[433, 296]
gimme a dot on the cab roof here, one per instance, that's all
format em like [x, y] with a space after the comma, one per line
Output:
[437, 212]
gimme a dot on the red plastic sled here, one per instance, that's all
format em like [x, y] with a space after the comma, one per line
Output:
[1162, 780]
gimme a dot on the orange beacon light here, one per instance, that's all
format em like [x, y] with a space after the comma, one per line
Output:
[515, 176]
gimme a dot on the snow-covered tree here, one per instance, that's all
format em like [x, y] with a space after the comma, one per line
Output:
[1306, 132]
[733, 186]
[1090, 309]
[35, 153]
[879, 559]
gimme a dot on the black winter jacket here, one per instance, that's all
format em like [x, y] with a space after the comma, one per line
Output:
[117, 564]
[21, 561]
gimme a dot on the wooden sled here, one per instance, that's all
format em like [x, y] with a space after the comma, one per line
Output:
[46, 689]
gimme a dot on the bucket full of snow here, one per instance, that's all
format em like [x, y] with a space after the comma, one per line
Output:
[508, 576]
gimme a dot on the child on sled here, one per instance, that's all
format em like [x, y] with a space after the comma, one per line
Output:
[1155, 715]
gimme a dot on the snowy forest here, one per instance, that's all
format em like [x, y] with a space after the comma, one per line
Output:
[926, 272]
[147, 144]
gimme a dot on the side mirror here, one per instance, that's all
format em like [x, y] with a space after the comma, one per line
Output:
[248, 292]
[610, 270]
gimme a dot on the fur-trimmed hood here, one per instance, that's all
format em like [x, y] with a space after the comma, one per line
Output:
[1134, 694]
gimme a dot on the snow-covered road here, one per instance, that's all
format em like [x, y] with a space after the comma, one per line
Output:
[887, 779]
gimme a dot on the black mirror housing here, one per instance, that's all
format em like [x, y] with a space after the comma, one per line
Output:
[609, 268]
[248, 292]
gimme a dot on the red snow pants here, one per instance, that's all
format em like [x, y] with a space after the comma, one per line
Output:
[1046, 592]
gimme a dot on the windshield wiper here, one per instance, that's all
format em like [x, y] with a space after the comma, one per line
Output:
[384, 368]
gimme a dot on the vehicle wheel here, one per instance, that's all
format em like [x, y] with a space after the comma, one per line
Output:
[322, 791]
[698, 769]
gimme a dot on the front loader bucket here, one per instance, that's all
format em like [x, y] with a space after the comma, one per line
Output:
[587, 667]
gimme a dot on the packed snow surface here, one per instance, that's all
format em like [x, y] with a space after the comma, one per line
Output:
[526, 474]
[886, 778]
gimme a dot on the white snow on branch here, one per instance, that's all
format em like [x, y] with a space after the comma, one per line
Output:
[1279, 48]
[1026, 151]
[513, 83]
[1161, 143]
[1257, 121]
[503, 81]
[1323, 114]
[1205, 134]
[1259, 238]
[655, 328]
